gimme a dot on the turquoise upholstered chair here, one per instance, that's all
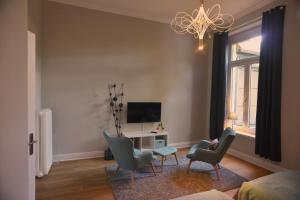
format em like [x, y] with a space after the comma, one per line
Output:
[126, 156]
[201, 152]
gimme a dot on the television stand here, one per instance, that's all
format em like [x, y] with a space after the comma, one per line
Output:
[147, 141]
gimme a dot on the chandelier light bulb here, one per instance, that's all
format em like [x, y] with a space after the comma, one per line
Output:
[200, 48]
[201, 45]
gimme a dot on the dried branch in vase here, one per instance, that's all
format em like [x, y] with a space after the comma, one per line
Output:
[116, 95]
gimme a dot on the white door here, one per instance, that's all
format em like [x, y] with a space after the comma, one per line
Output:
[14, 157]
[31, 112]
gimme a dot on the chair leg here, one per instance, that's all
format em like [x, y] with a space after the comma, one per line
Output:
[162, 163]
[132, 179]
[116, 172]
[152, 167]
[176, 158]
[217, 171]
[190, 163]
[218, 165]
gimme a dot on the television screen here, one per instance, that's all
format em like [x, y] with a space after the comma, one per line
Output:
[139, 112]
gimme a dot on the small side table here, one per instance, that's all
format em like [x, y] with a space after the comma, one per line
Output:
[164, 152]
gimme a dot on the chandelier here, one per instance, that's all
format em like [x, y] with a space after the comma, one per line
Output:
[200, 22]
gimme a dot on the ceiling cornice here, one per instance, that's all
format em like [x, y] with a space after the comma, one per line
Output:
[118, 11]
[253, 8]
[137, 13]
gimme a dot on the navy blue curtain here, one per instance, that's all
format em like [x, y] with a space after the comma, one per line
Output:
[268, 118]
[218, 85]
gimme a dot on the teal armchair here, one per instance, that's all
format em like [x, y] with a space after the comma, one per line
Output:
[126, 156]
[201, 152]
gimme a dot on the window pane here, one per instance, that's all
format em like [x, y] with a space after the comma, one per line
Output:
[237, 93]
[254, 68]
[246, 49]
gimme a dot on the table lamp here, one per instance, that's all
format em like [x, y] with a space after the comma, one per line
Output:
[232, 116]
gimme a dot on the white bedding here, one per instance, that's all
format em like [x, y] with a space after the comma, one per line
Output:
[208, 195]
[279, 186]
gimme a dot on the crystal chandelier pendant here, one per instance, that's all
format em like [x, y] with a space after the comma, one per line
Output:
[200, 22]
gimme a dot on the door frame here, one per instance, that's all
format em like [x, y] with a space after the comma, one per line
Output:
[31, 89]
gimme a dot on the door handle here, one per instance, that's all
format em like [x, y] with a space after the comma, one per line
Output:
[31, 143]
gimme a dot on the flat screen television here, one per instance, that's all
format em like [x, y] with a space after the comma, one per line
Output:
[140, 112]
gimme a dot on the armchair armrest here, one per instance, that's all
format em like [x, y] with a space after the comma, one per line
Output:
[206, 155]
[205, 152]
[204, 144]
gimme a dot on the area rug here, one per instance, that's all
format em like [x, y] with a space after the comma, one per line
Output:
[173, 182]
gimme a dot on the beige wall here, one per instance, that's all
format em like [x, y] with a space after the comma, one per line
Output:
[13, 101]
[84, 50]
[290, 121]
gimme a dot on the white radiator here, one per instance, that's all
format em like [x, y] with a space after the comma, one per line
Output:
[44, 151]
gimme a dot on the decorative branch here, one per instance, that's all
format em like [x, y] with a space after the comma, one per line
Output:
[116, 104]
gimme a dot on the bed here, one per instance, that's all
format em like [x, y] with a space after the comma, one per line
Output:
[279, 186]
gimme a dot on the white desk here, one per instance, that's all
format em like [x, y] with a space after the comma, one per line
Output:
[146, 140]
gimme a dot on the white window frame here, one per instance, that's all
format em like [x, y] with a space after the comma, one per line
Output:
[235, 38]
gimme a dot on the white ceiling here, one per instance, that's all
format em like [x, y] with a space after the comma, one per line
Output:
[164, 10]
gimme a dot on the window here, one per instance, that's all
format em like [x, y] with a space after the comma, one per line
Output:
[243, 79]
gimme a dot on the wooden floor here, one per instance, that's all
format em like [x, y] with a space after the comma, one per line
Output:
[86, 179]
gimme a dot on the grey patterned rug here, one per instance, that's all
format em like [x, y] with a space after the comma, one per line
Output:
[173, 182]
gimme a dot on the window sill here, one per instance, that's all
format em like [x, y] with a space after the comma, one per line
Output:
[245, 134]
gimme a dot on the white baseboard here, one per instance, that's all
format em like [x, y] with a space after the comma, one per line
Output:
[78, 156]
[183, 144]
[249, 158]
[97, 154]
[264, 163]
